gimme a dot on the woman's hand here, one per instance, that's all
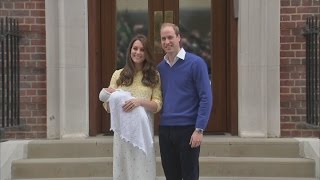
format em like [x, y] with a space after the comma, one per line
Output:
[131, 104]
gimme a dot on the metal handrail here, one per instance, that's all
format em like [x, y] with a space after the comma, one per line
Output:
[9, 73]
[312, 35]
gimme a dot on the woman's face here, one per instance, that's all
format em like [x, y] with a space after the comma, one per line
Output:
[137, 53]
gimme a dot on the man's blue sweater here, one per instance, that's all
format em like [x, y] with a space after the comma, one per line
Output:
[186, 92]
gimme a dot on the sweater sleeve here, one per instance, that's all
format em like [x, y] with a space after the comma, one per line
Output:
[203, 86]
[114, 78]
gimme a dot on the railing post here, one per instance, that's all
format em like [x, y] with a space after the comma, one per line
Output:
[2, 72]
[311, 33]
[10, 76]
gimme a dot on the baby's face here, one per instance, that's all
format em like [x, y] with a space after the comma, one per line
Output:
[109, 90]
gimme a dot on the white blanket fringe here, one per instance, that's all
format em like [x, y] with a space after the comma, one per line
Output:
[133, 126]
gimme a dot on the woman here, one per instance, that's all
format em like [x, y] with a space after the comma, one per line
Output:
[139, 77]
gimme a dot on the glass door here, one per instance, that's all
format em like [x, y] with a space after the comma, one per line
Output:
[203, 26]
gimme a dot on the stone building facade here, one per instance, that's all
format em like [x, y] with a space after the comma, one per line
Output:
[31, 15]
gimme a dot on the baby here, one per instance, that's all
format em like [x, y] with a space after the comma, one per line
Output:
[132, 126]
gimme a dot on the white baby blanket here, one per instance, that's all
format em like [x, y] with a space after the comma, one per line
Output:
[134, 126]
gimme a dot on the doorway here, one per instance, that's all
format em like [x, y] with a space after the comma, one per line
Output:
[207, 27]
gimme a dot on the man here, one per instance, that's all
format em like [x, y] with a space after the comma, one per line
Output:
[187, 102]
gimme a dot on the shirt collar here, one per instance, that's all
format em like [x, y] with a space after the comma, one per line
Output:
[181, 55]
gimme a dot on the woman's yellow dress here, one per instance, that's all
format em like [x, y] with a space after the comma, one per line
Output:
[129, 162]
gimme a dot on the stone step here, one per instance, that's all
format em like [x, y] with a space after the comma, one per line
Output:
[62, 168]
[211, 146]
[209, 167]
[70, 148]
[201, 178]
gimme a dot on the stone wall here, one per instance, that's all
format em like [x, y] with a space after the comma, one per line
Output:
[31, 17]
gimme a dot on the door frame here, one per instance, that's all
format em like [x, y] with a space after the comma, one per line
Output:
[232, 67]
[96, 52]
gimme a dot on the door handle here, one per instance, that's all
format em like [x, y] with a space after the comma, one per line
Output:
[158, 20]
[168, 16]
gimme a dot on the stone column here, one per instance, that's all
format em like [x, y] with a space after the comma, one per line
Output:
[259, 68]
[67, 68]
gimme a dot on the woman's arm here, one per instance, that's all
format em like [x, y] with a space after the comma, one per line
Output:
[154, 104]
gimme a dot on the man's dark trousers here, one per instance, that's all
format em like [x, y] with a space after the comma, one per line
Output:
[179, 160]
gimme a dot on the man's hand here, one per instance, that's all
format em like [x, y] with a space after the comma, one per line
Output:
[196, 139]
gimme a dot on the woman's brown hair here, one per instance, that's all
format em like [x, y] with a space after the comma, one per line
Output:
[150, 76]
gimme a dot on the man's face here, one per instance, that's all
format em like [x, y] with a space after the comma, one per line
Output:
[169, 40]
